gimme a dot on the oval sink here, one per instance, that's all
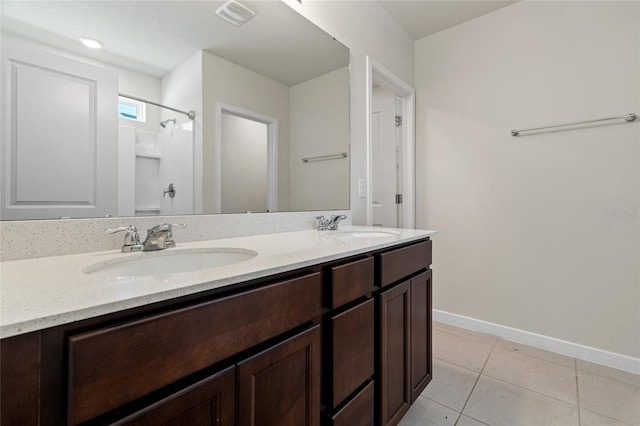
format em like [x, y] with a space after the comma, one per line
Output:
[365, 234]
[171, 262]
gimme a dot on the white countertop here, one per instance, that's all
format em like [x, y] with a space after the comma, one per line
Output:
[40, 293]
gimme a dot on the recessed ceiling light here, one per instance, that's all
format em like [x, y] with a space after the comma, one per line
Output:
[91, 43]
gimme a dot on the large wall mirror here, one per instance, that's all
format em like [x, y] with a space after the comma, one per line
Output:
[85, 132]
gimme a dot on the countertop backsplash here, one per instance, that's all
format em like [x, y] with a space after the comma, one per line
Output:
[40, 238]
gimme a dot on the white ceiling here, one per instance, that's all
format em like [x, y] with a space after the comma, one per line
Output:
[421, 18]
[154, 37]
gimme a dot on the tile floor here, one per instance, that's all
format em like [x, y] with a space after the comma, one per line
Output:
[483, 380]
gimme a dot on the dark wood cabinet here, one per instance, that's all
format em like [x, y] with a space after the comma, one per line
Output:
[404, 332]
[209, 402]
[142, 356]
[346, 342]
[421, 359]
[353, 349]
[395, 341]
[359, 411]
[281, 386]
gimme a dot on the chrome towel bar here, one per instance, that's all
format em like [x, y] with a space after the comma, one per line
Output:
[325, 157]
[627, 117]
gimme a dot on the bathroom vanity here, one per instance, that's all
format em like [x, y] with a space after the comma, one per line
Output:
[318, 328]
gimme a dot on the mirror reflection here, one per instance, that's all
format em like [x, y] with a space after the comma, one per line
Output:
[178, 112]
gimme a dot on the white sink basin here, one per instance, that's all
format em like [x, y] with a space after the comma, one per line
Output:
[170, 261]
[365, 234]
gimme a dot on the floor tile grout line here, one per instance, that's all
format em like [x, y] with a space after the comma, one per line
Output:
[622, 422]
[608, 377]
[574, 360]
[529, 389]
[604, 375]
[442, 405]
[506, 340]
[533, 391]
[457, 365]
[476, 382]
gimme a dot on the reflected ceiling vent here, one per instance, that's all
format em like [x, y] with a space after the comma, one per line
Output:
[234, 12]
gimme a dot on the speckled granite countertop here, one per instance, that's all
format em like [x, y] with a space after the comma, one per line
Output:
[39, 293]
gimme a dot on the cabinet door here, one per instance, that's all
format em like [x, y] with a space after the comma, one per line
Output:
[281, 385]
[395, 312]
[352, 349]
[421, 360]
[210, 402]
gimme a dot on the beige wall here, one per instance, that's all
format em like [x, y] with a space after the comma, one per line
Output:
[366, 29]
[230, 84]
[539, 232]
[319, 125]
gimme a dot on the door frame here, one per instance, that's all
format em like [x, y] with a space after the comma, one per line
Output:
[378, 74]
[272, 153]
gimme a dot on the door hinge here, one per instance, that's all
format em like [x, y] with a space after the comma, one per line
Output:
[398, 198]
[398, 120]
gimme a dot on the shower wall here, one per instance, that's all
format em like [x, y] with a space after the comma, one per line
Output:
[176, 167]
[147, 163]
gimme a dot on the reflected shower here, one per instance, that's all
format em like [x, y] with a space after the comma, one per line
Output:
[165, 122]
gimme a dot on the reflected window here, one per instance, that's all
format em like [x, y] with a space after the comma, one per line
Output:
[131, 109]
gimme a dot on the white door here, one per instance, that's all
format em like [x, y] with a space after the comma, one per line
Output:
[246, 161]
[60, 136]
[385, 158]
[244, 165]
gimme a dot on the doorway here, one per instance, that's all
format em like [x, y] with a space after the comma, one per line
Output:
[386, 158]
[390, 149]
[245, 161]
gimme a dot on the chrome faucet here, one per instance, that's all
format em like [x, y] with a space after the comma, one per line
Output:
[131, 238]
[330, 224]
[159, 237]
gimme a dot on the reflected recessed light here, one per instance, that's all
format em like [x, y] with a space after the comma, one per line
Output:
[91, 43]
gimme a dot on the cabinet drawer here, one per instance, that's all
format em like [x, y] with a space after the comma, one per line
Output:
[353, 349]
[360, 411]
[115, 365]
[402, 262]
[351, 281]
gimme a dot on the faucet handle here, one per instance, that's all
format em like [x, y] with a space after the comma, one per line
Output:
[335, 220]
[169, 240]
[131, 236]
[321, 222]
[129, 228]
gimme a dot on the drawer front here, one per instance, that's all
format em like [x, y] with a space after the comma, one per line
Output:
[360, 411]
[353, 349]
[351, 281]
[402, 262]
[115, 365]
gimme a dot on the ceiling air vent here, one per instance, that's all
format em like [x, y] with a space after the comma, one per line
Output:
[234, 12]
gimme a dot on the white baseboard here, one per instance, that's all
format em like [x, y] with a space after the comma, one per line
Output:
[574, 350]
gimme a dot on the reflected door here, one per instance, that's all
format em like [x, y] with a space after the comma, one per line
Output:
[60, 124]
[244, 165]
